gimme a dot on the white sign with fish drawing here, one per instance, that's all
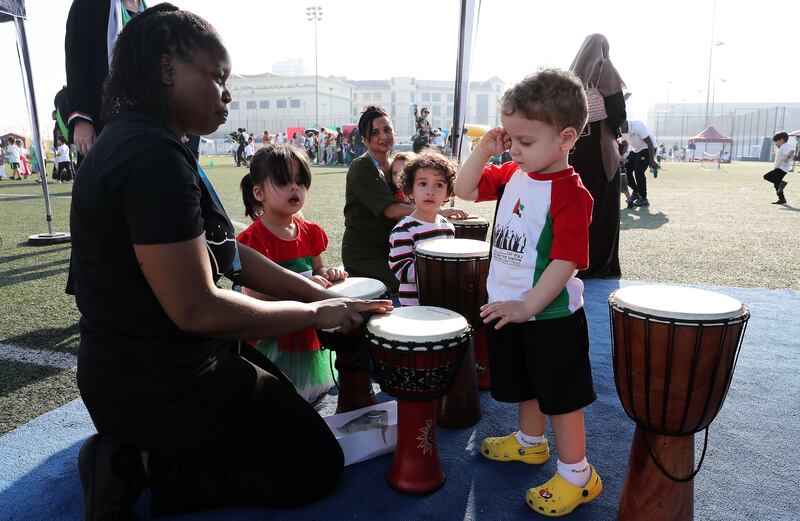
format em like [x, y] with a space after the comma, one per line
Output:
[365, 433]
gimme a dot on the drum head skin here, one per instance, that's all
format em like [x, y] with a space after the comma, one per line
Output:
[470, 221]
[453, 248]
[359, 287]
[676, 302]
[418, 324]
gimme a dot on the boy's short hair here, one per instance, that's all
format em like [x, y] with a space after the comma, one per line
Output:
[780, 135]
[552, 96]
[429, 159]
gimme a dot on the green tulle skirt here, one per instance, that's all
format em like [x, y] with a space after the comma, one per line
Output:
[312, 372]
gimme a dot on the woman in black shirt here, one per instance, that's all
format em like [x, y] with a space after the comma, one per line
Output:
[176, 408]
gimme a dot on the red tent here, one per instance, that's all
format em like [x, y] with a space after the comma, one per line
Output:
[711, 135]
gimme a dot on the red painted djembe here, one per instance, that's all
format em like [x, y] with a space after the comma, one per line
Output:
[674, 353]
[352, 363]
[416, 355]
[451, 274]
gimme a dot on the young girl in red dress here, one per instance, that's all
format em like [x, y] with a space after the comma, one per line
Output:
[273, 193]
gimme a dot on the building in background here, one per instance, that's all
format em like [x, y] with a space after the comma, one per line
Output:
[275, 102]
[751, 125]
[290, 67]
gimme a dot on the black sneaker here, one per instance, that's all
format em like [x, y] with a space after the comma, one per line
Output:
[781, 200]
[106, 494]
[642, 201]
[781, 186]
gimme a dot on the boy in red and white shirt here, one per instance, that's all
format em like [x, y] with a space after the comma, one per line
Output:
[537, 335]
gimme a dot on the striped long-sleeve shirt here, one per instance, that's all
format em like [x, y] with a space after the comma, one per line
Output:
[404, 236]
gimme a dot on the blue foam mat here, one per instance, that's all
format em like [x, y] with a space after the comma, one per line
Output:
[751, 471]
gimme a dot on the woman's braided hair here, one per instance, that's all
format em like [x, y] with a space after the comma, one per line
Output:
[134, 79]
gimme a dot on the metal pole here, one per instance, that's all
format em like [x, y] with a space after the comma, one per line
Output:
[316, 74]
[710, 56]
[30, 96]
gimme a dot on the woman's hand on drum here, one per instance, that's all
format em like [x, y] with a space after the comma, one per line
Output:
[453, 213]
[345, 314]
[506, 311]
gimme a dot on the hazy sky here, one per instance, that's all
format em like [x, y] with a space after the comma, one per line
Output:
[660, 48]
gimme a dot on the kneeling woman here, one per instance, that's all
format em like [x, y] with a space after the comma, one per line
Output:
[177, 409]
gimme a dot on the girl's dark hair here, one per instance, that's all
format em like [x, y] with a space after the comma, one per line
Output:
[781, 135]
[272, 163]
[134, 79]
[429, 159]
[369, 115]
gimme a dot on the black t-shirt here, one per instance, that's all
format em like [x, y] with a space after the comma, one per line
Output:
[138, 185]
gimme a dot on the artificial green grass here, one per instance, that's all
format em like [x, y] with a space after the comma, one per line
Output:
[27, 391]
[715, 228]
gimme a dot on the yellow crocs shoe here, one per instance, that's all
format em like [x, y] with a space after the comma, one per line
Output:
[507, 448]
[559, 497]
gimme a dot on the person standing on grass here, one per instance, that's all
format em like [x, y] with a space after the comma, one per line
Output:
[783, 163]
[12, 158]
[596, 155]
[178, 408]
[643, 154]
[63, 161]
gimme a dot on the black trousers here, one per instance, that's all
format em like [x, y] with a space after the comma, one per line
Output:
[256, 442]
[637, 166]
[775, 177]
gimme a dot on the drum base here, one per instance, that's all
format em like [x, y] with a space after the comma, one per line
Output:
[355, 384]
[461, 407]
[416, 469]
[482, 359]
[648, 493]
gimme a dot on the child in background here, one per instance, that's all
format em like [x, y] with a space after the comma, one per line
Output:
[273, 193]
[428, 182]
[398, 163]
[250, 149]
[537, 334]
[783, 163]
[24, 170]
[12, 158]
[64, 168]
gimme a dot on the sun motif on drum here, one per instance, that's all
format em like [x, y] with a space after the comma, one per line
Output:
[425, 438]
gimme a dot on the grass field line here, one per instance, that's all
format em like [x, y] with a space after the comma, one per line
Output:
[38, 357]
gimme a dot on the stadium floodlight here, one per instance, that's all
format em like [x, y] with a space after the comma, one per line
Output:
[314, 14]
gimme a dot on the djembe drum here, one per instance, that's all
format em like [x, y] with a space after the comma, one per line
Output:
[451, 274]
[416, 355]
[352, 364]
[674, 353]
[473, 227]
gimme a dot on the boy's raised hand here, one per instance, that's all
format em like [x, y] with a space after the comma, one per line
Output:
[495, 142]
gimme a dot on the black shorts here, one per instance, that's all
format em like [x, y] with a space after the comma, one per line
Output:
[546, 360]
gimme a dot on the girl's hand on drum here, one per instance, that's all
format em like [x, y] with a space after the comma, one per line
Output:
[453, 213]
[321, 280]
[345, 314]
[506, 311]
[495, 142]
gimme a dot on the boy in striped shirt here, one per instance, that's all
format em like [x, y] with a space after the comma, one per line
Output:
[428, 182]
[537, 335]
